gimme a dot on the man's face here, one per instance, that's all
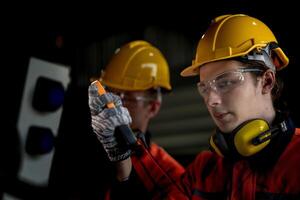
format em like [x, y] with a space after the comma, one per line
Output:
[138, 105]
[231, 96]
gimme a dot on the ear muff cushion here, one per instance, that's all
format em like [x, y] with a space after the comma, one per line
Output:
[244, 137]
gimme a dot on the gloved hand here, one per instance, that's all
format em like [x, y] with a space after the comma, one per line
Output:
[105, 120]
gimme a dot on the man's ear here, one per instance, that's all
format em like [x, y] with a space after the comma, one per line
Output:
[268, 81]
[154, 108]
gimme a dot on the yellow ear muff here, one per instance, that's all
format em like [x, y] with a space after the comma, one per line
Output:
[243, 140]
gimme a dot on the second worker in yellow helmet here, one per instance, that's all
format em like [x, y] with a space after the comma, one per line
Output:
[138, 73]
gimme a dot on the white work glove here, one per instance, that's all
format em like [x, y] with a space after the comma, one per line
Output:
[105, 120]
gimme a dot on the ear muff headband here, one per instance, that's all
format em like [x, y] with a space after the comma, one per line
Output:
[214, 146]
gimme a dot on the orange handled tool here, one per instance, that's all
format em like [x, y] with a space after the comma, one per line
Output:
[101, 91]
[123, 133]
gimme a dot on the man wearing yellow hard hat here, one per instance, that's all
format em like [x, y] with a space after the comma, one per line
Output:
[254, 152]
[136, 76]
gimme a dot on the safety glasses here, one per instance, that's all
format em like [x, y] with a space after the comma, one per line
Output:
[224, 82]
[130, 97]
[126, 98]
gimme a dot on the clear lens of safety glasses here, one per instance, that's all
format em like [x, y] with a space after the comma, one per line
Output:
[224, 82]
[126, 98]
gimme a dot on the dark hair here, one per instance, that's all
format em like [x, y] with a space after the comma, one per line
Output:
[276, 92]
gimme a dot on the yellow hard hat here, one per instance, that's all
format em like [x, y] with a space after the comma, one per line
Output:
[137, 65]
[236, 35]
